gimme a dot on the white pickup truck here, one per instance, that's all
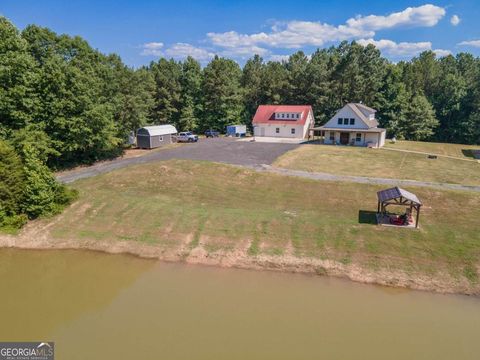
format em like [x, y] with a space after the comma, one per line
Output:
[187, 136]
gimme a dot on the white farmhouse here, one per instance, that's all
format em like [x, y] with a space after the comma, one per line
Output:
[284, 121]
[354, 124]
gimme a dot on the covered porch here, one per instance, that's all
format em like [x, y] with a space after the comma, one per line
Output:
[351, 137]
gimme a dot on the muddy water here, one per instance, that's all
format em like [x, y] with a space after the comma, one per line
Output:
[97, 306]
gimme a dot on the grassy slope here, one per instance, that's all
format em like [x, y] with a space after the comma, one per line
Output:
[346, 160]
[457, 150]
[228, 208]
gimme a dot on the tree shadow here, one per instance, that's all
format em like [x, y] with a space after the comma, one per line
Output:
[467, 153]
[474, 154]
[367, 217]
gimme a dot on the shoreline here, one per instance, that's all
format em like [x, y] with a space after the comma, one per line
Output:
[442, 283]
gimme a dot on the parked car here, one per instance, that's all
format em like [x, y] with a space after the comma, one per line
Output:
[187, 136]
[212, 133]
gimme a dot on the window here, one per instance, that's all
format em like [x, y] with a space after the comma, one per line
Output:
[288, 116]
[298, 116]
[160, 138]
[277, 130]
[358, 137]
[293, 131]
[340, 121]
[332, 136]
[283, 116]
[352, 121]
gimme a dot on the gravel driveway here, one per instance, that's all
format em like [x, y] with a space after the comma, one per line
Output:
[225, 150]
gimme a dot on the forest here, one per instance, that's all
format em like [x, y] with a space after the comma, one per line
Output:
[64, 103]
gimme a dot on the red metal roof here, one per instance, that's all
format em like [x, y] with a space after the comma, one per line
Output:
[266, 114]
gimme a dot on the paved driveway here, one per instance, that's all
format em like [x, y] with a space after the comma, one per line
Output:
[225, 150]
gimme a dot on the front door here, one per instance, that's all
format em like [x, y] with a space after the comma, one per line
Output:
[344, 138]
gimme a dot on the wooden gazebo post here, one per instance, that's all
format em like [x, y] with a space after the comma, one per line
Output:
[418, 215]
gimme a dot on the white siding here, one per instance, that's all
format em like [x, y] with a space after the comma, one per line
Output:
[346, 112]
[285, 131]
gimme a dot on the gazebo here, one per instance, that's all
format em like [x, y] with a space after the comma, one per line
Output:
[398, 196]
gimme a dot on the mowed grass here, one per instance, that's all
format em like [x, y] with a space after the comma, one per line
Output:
[456, 150]
[185, 204]
[384, 163]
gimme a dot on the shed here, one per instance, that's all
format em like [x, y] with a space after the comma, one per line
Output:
[150, 137]
[398, 196]
[237, 130]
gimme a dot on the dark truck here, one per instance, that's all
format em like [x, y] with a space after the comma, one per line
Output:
[212, 133]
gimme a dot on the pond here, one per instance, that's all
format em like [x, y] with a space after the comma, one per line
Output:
[99, 306]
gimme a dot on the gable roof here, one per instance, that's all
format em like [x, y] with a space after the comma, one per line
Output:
[158, 130]
[365, 107]
[265, 114]
[356, 109]
[395, 193]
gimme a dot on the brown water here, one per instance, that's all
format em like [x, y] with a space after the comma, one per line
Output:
[97, 306]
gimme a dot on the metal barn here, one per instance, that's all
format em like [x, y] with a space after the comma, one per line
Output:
[151, 137]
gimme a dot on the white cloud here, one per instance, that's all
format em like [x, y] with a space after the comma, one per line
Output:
[183, 50]
[296, 34]
[442, 52]
[279, 58]
[422, 16]
[395, 49]
[152, 48]
[474, 43]
[455, 20]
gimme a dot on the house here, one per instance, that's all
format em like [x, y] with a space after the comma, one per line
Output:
[284, 121]
[150, 137]
[354, 124]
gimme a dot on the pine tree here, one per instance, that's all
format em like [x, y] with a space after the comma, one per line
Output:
[222, 94]
[419, 122]
[167, 91]
[191, 106]
[251, 83]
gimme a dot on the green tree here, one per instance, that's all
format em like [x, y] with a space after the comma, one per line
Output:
[17, 79]
[191, 96]
[222, 93]
[167, 93]
[274, 83]
[419, 122]
[298, 81]
[77, 107]
[12, 180]
[252, 85]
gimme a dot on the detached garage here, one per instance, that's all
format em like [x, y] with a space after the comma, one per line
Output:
[150, 137]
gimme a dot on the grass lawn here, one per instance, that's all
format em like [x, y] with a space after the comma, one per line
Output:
[456, 150]
[346, 160]
[181, 204]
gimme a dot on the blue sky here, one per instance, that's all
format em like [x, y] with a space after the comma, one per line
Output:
[141, 31]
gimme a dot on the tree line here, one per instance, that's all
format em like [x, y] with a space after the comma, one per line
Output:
[63, 103]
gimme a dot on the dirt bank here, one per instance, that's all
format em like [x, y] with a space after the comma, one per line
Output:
[37, 237]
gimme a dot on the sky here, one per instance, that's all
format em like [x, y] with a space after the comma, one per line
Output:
[144, 30]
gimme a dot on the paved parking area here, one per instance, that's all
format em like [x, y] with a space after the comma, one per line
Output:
[225, 150]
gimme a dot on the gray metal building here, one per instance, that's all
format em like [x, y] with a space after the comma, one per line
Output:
[150, 137]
